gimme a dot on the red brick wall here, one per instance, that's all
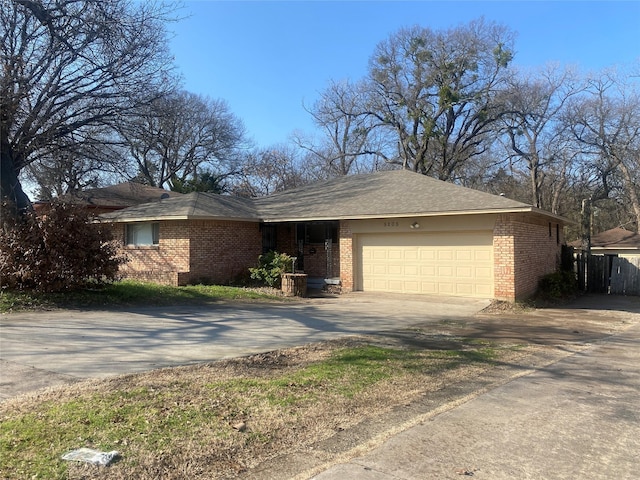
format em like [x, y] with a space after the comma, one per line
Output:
[315, 264]
[194, 251]
[503, 259]
[223, 251]
[345, 239]
[526, 248]
[158, 263]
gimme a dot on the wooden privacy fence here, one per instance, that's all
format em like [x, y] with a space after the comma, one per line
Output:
[609, 274]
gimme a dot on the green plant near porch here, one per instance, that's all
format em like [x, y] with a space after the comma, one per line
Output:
[271, 266]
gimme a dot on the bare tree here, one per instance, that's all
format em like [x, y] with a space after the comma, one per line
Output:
[68, 66]
[533, 104]
[74, 166]
[177, 135]
[348, 144]
[607, 124]
[436, 91]
[269, 170]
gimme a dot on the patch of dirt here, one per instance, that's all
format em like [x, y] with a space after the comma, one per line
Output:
[500, 307]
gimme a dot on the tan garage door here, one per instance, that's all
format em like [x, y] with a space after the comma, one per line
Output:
[459, 264]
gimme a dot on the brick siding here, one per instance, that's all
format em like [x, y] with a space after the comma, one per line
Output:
[345, 239]
[194, 251]
[165, 263]
[525, 249]
[314, 255]
[222, 251]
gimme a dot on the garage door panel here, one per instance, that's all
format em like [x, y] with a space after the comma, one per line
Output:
[395, 270]
[380, 285]
[464, 289]
[445, 254]
[446, 289]
[428, 270]
[464, 255]
[379, 254]
[411, 287]
[411, 270]
[395, 254]
[429, 288]
[483, 256]
[445, 271]
[427, 255]
[378, 269]
[465, 272]
[459, 263]
[411, 254]
[485, 273]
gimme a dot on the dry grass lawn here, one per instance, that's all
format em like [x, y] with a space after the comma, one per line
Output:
[223, 419]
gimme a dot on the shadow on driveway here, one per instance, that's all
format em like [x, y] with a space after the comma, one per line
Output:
[39, 349]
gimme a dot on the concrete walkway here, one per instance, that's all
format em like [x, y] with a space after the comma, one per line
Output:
[40, 349]
[578, 418]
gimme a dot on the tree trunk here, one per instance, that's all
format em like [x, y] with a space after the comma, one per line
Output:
[633, 194]
[10, 187]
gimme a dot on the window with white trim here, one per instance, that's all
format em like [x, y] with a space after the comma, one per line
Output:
[147, 233]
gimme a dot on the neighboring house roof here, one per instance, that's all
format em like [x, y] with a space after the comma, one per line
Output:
[614, 239]
[119, 196]
[398, 193]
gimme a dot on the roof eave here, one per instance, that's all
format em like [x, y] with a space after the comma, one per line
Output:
[310, 218]
[496, 211]
[565, 220]
[176, 217]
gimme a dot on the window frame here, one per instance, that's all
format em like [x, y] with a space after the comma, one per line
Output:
[133, 231]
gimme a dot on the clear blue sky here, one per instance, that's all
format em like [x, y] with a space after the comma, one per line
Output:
[267, 58]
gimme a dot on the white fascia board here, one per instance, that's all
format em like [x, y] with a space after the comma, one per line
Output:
[419, 214]
[176, 217]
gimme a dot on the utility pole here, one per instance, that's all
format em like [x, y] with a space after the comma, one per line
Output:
[585, 235]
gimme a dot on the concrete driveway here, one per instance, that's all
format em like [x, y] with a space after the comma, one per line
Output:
[43, 349]
[577, 418]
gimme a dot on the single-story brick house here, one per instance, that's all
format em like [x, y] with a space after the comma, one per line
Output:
[393, 231]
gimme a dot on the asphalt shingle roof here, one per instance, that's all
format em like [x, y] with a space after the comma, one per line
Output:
[197, 205]
[616, 238]
[382, 194]
[391, 193]
[120, 195]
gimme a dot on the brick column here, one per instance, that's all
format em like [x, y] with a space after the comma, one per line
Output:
[346, 256]
[504, 259]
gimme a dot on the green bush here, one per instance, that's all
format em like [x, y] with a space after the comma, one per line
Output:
[270, 268]
[558, 285]
[62, 249]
